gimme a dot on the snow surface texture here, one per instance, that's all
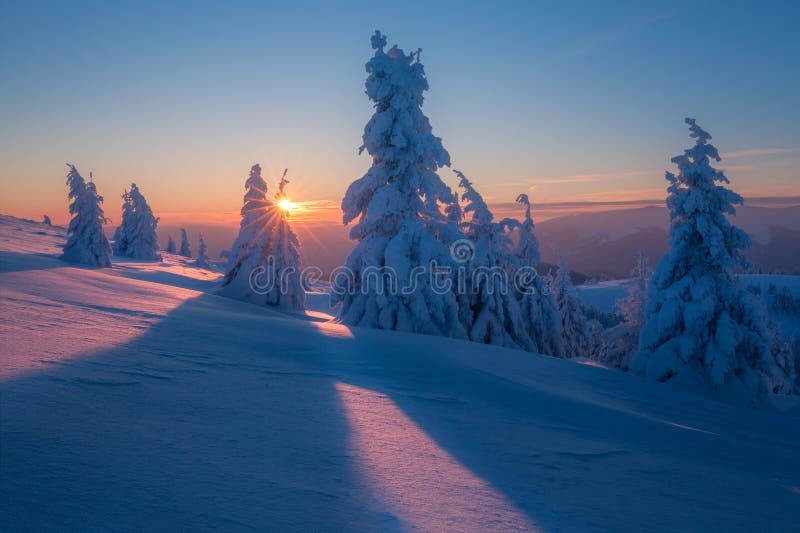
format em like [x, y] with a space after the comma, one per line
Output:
[702, 328]
[134, 399]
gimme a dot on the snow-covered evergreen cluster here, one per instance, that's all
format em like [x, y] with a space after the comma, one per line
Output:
[136, 235]
[691, 323]
[409, 221]
[491, 313]
[701, 326]
[264, 262]
[86, 242]
[453, 270]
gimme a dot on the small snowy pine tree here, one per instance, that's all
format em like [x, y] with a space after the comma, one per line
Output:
[185, 250]
[622, 340]
[46, 221]
[573, 320]
[121, 234]
[701, 327]
[266, 252]
[632, 306]
[202, 261]
[86, 242]
[140, 233]
[284, 249]
[397, 204]
[539, 311]
[171, 248]
[250, 251]
[493, 315]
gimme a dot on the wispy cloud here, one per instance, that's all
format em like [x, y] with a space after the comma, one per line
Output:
[756, 152]
[586, 178]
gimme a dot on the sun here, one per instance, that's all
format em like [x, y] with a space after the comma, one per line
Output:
[286, 205]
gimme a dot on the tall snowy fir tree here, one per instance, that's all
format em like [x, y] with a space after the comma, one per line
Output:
[202, 261]
[86, 242]
[702, 329]
[171, 248]
[576, 342]
[396, 206]
[539, 312]
[251, 249]
[136, 235]
[185, 250]
[493, 314]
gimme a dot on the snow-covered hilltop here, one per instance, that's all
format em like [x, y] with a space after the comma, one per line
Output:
[133, 396]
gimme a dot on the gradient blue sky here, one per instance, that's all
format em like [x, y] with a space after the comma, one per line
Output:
[574, 100]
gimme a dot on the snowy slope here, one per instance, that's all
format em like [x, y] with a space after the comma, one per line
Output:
[133, 399]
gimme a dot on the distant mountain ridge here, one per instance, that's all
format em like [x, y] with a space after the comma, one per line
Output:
[603, 244]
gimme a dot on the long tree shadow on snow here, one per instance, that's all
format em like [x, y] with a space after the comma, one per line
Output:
[21, 262]
[202, 422]
[224, 415]
[574, 464]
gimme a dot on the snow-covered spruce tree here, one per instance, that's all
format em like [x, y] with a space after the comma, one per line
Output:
[622, 340]
[573, 320]
[86, 242]
[400, 224]
[46, 221]
[702, 328]
[264, 263]
[250, 251]
[202, 261]
[284, 251]
[171, 248]
[120, 238]
[785, 356]
[539, 311]
[138, 228]
[632, 306]
[493, 315]
[185, 250]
